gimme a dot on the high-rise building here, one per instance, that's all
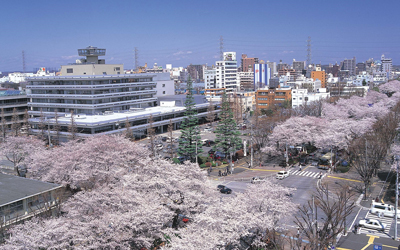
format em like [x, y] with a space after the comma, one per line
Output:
[272, 66]
[226, 72]
[349, 65]
[247, 63]
[262, 74]
[246, 80]
[299, 66]
[196, 72]
[386, 65]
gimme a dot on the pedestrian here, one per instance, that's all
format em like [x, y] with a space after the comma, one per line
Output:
[376, 199]
[300, 168]
[219, 172]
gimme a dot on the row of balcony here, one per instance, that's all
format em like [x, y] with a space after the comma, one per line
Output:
[100, 96]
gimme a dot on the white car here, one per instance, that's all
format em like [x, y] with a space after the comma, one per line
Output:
[208, 129]
[373, 224]
[282, 175]
[159, 146]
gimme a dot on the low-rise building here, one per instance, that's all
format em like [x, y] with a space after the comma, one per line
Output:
[303, 96]
[10, 99]
[269, 98]
[22, 198]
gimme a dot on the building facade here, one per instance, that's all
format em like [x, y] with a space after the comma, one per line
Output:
[10, 99]
[302, 97]
[320, 75]
[226, 73]
[269, 98]
[262, 74]
[247, 63]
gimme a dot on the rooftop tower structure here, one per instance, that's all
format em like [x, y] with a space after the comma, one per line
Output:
[92, 54]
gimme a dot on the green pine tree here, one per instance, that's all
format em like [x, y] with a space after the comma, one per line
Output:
[189, 128]
[227, 134]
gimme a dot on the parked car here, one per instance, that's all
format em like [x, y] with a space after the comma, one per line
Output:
[211, 152]
[164, 139]
[282, 175]
[219, 155]
[159, 146]
[208, 129]
[373, 224]
[226, 190]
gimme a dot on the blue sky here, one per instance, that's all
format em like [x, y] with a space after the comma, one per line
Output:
[184, 32]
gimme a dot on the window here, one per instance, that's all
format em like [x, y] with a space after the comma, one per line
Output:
[301, 98]
[163, 92]
[163, 85]
[70, 71]
[306, 99]
[117, 68]
[104, 73]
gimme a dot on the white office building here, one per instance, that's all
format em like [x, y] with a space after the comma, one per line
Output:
[226, 73]
[302, 96]
[102, 99]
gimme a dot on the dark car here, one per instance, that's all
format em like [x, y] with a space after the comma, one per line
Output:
[211, 152]
[226, 190]
[219, 155]
[164, 139]
[219, 187]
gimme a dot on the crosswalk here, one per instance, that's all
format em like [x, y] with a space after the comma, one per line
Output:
[385, 220]
[306, 173]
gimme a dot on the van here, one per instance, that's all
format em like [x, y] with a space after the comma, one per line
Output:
[384, 209]
[204, 142]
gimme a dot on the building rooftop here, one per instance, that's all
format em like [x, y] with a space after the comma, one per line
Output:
[88, 77]
[11, 92]
[14, 188]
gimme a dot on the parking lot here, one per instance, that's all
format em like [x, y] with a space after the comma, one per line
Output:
[162, 145]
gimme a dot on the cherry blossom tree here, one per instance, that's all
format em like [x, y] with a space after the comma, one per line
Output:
[241, 220]
[121, 197]
[20, 149]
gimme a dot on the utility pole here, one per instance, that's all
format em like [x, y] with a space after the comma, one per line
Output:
[251, 142]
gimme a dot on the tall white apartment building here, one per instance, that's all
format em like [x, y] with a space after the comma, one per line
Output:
[209, 76]
[226, 73]
[386, 65]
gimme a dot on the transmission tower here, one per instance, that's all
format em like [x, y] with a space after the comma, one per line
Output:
[309, 51]
[23, 62]
[221, 48]
[136, 60]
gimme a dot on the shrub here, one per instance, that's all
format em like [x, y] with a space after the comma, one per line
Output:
[175, 160]
[343, 169]
[239, 154]
[207, 164]
[203, 165]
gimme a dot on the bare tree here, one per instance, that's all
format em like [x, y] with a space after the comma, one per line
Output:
[332, 208]
[210, 113]
[42, 125]
[15, 123]
[72, 129]
[151, 134]
[4, 126]
[128, 130]
[25, 125]
[56, 128]
[171, 144]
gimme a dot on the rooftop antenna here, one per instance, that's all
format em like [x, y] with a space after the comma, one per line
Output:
[221, 48]
[309, 51]
[136, 60]
[23, 62]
